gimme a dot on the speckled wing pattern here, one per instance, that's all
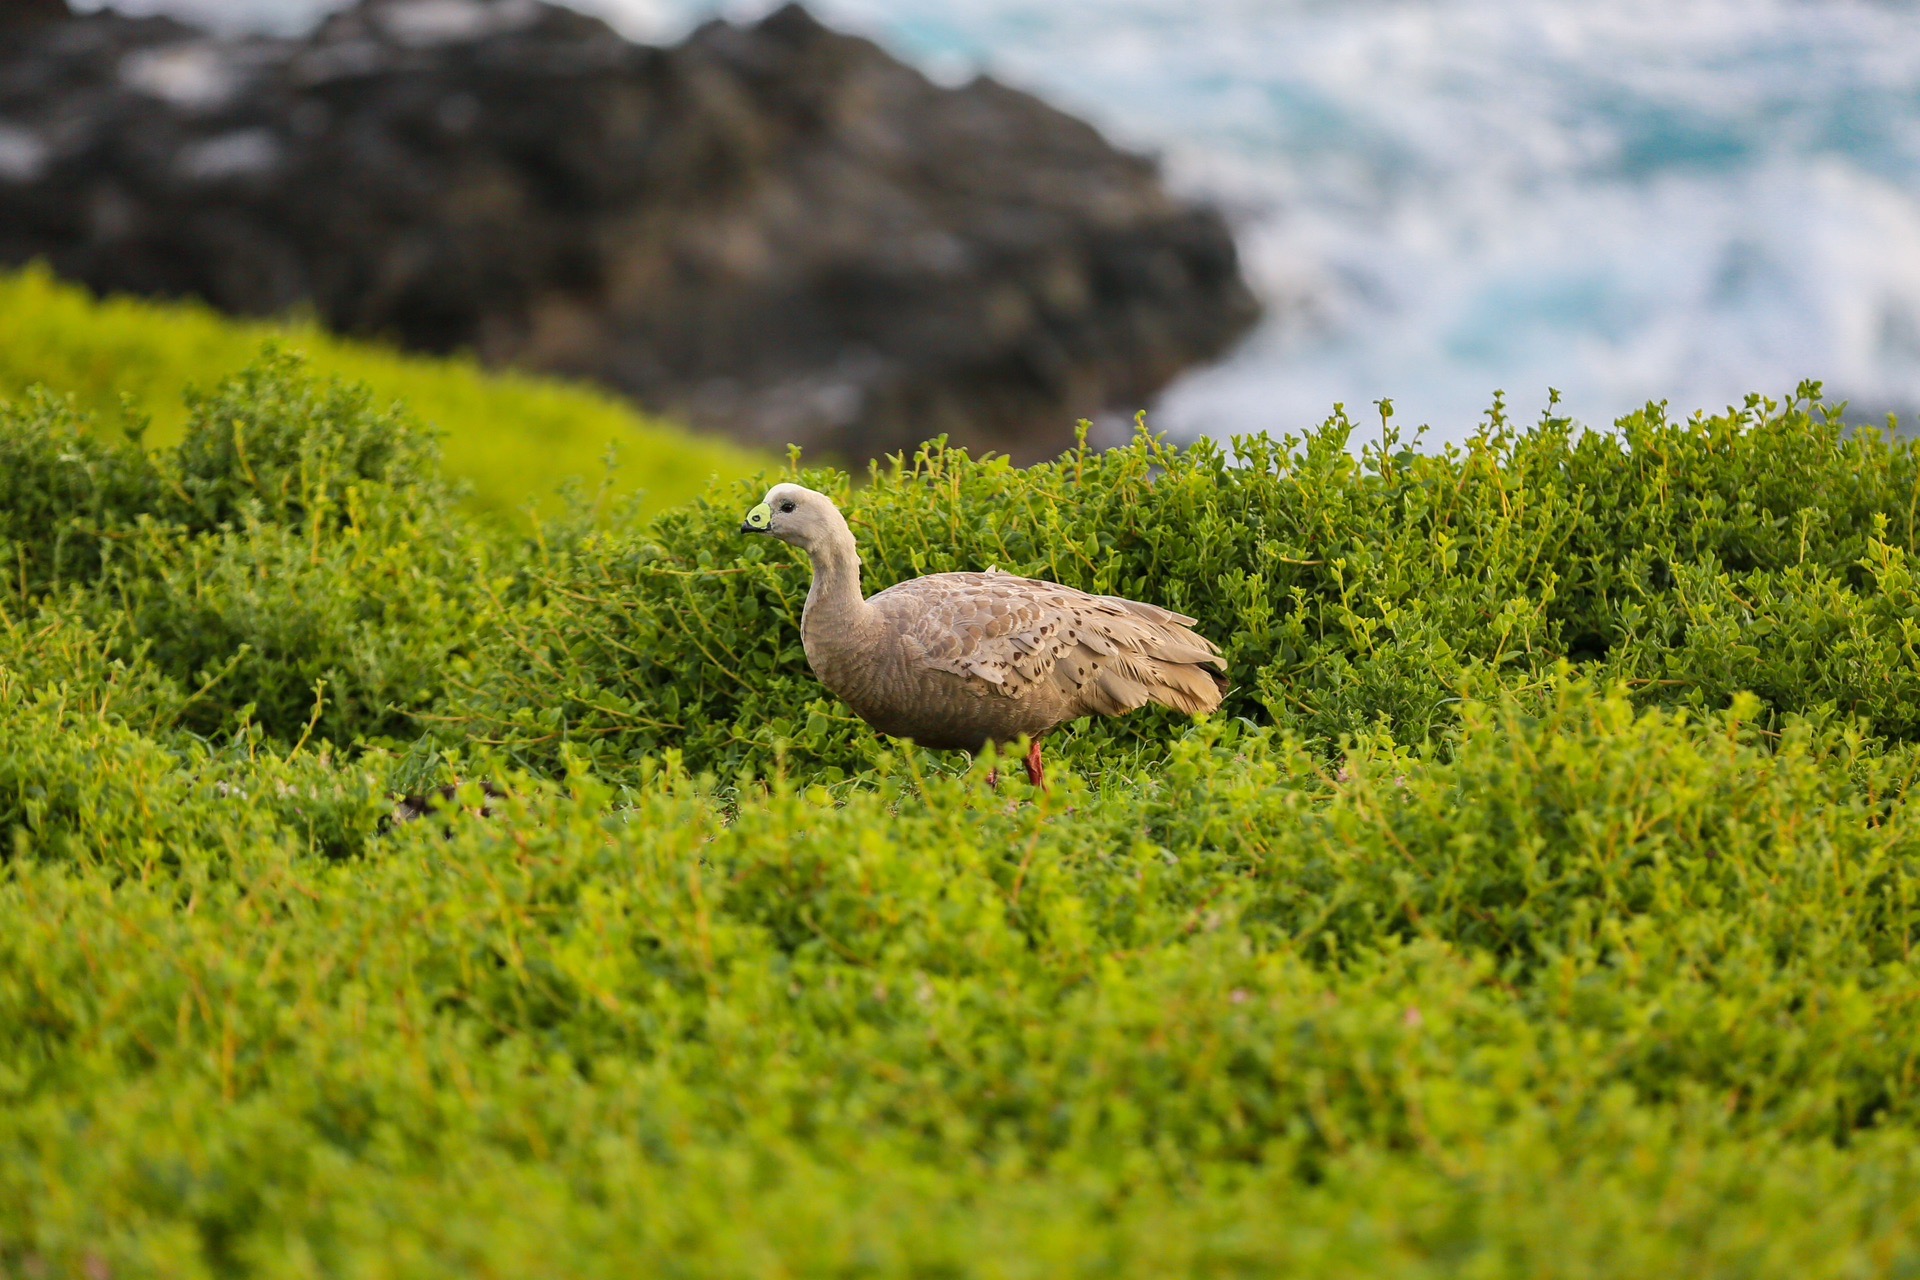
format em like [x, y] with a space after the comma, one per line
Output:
[1023, 638]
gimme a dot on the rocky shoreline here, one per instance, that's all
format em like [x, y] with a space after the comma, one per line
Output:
[776, 231]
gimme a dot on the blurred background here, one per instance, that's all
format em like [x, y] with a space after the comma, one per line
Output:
[1681, 200]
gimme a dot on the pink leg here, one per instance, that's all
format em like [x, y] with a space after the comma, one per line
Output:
[993, 779]
[1035, 774]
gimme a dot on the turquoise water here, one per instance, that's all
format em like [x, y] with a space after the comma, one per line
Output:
[1683, 200]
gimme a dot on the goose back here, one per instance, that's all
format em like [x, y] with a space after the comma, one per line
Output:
[956, 660]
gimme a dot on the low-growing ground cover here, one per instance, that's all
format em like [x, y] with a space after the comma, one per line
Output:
[1542, 904]
[511, 439]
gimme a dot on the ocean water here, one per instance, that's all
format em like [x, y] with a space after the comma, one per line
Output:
[1625, 200]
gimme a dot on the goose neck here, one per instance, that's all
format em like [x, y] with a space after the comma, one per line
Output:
[835, 599]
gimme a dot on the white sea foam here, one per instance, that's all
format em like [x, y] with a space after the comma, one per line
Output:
[1625, 199]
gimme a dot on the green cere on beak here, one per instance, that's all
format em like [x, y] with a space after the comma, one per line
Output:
[758, 520]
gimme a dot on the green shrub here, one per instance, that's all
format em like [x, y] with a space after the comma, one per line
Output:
[1347, 592]
[313, 569]
[1543, 904]
[62, 492]
[1598, 995]
[54, 649]
[297, 561]
[77, 785]
[350, 636]
[514, 440]
[272, 445]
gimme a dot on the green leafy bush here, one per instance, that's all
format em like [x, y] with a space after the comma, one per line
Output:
[55, 648]
[1348, 592]
[1601, 994]
[1543, 904]
[61, 488]
[88, 789]
[271, 445]
[314, 568]
[512, 440]
[297, 560]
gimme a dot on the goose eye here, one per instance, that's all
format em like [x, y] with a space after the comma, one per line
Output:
[786, 506]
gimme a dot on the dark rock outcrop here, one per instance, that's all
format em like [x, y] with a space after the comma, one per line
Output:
[20, 13]
[778, 231]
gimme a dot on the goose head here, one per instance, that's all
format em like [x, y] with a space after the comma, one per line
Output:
[798, 515]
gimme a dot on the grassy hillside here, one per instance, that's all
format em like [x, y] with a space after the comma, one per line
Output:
[1542, 904]
[513, 439]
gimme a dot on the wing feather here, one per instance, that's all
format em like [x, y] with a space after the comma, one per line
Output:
[1106, 654]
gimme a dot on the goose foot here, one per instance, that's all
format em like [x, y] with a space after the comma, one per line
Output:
[1035, 774]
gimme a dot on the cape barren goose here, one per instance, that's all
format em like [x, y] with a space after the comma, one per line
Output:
[954, 661]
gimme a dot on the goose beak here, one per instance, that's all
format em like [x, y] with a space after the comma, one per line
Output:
[758, 520]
